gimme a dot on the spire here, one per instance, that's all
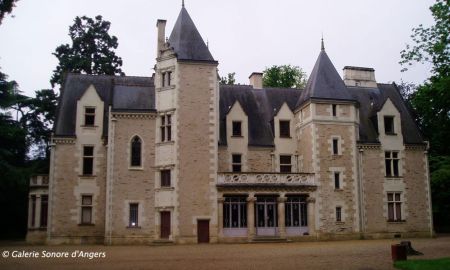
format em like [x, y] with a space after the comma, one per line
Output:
[323, 46]
[186, 41]
[182, 3]
[324, 82]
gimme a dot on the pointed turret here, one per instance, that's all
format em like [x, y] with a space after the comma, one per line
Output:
[324, 82]
[186, 41]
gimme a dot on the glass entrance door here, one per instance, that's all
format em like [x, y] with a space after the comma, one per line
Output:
[266, 216]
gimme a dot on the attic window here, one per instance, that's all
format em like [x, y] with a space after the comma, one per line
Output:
[89, 116]
[389, 125]
[237, 129]
[284, 129]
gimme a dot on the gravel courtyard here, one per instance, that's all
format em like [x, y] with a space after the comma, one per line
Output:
[358, 254]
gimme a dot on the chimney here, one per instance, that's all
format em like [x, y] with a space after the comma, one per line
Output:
[161, 25]
[359, 76]
[256, 80]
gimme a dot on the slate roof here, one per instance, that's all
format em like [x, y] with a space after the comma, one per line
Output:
[324, 82]
[260, 105]
[122, 93]
[187, 42]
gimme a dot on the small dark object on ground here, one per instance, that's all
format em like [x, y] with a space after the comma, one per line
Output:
[409, 250]
[398, 252]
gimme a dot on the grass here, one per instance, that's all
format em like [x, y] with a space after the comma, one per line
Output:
[436, 264]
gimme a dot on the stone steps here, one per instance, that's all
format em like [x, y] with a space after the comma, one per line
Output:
[269, 239]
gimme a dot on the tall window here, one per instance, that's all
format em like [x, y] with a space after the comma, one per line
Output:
[334, 109]
[33, 210]
[394, 206]
[337, 180]
[89, 116]
[295, 212]
[44, 210]
[389, 125]
[391, 163]
[235, 212]
[285, 131]
[335, 146]
[237, 128]
[88, 160]
[166, 128]
[236, 162]
[338, 214]
[134, 212]
[86, 209]
[165, 178]
[166, 78]
[136, 152]
[285, 163]
[169, 78]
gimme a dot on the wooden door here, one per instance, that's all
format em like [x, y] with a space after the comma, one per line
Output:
[203, 231]
[165, 224]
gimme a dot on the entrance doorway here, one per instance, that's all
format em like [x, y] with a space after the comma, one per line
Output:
[165, 224]
[202, 231]
[266, 216]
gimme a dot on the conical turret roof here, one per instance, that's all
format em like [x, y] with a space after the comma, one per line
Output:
[187, 41]
[324, 82]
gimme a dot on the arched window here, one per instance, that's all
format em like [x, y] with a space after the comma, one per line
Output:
[136, 150]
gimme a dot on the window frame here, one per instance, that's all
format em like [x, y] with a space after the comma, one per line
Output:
[87, 206]
[134, 155]
[286, 132]
[334, 110]
[392, 164]
[235, 207]
[337, 180]
[335, 147]
[235, 164]
[397, 205]
[338, 213]
[284, 166]
[389, 129]
[89, 115]
[165, 177]
[236, 128]
[86, 157]
[133, 215]
[293, 202]
[166, 128]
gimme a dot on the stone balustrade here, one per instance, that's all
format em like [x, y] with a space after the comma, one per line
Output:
[266, 178]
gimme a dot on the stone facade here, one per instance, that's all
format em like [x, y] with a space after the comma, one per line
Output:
[178, 158]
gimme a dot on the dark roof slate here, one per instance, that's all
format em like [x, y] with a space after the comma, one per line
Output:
[186, 41]
[119, 92]
[324, 82]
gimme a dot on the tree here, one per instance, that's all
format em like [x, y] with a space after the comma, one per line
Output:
[229, 79]
[6, 7]
[286, 76]
[91, 51]
[431, 103]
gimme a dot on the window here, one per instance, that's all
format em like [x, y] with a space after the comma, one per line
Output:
[169, 78]
[89, 116]
[163, 79]
[44, 210]
[33, 210]
[134, 212]
[285, 163]
[295, 212]
[394, 206]
[166, 78]
[88, 160]
[335, 146]
[392, 162]
[235, 212]
[165, 178]
[338, 214]
[337, 180]
[389, 125]
[136, 151]
[285, 131]
[166, 128]
[237, 162]
[334, 109]
[237, 129]
[86, 209]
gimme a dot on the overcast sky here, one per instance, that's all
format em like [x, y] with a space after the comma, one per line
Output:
[244, 36]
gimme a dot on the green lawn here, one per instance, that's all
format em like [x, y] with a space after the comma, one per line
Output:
[437, 264]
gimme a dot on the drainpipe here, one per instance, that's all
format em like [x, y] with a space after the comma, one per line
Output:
[361, 192]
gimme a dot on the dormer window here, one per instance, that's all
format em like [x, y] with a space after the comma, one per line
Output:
[89, 116]
[237, 129]
[284, 129]
[389, 125]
